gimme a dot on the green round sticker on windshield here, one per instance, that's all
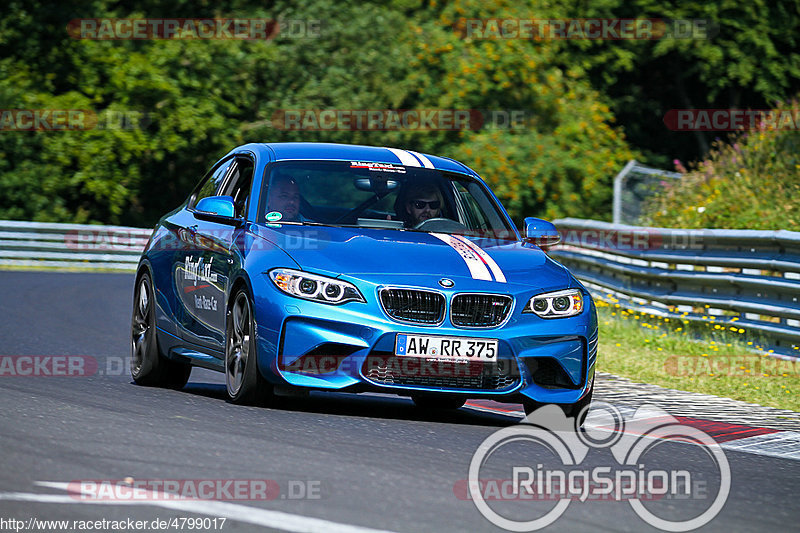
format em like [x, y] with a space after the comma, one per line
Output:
[274, 216]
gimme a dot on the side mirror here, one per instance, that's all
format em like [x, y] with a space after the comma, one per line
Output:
[217, 209]
[541, 232]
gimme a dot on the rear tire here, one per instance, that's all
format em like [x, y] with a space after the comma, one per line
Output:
[149, 367]
[436, 402]
[243, 382]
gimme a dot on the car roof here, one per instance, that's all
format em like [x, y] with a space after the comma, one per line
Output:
[354, 152]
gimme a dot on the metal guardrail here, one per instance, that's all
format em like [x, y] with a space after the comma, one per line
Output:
[744, 278]
[74, 246]
[632, 186]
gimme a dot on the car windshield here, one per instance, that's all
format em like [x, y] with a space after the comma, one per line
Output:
[380, 195]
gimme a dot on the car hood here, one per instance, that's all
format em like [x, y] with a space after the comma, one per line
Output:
[388, 256]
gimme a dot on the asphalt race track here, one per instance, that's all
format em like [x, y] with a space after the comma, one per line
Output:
[338, 462]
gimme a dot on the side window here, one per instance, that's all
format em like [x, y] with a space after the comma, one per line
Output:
[210, 184]
[487, 214]
[238, 183]
[470, 208]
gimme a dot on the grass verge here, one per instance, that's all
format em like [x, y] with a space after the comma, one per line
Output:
[667, 352]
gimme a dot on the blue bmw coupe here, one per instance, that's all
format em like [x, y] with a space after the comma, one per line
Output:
[311, 266]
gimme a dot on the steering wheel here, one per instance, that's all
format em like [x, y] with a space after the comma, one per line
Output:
[440, 224]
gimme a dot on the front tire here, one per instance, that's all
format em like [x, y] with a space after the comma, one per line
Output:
[580, 409]
[577, 410]
[149, 367]
[243, 381]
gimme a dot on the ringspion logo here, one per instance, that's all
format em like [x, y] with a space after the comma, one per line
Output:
[654, 486]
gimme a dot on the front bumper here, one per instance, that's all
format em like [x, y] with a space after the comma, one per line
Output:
[351, 348]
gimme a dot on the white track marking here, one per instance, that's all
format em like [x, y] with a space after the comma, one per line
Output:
[54, 498]
[784, 444]
[234, 511]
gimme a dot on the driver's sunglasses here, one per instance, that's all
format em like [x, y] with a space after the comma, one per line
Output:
[420, 204]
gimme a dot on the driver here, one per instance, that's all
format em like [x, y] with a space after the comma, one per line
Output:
[423, 202]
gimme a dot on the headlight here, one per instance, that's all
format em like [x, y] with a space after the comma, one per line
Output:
[313, 287]
[556, 304]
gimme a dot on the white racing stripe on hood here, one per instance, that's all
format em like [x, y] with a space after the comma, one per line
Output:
[477, 268]
[495, 268]
[404, 157]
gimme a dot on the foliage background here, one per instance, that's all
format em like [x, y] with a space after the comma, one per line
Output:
[752, 182]
[594, 104]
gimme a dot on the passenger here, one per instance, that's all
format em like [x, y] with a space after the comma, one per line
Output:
[284, 197]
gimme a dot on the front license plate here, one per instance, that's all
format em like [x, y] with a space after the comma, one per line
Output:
[446, 347]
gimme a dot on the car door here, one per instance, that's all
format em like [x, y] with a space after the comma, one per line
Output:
[206, 273]
[190, 258]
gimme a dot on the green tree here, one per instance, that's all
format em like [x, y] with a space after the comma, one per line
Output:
[197, 99]
[561, 161]
[744, 55]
